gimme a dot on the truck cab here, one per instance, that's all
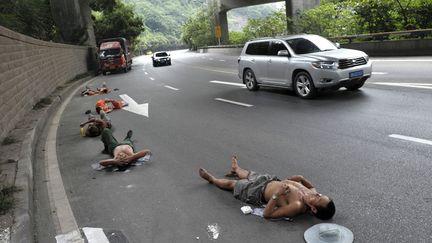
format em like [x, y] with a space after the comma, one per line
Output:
[114, 55]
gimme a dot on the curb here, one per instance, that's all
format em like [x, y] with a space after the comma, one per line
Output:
[22, 228]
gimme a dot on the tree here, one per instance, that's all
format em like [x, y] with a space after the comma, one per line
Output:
[272, 25]
[197, 30]
[30, 17]
[329, 19]
[117, 20]
[237, 37]
[376, 15]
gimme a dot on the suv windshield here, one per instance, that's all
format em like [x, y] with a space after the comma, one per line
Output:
[162, 54]
[110, 52]
[310, 44]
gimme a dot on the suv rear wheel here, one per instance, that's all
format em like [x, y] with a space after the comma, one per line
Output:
[303, 85]
[250, 80]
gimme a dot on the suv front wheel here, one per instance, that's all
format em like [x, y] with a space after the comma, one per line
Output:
[356, 86]
[249, 80]
[303, 85]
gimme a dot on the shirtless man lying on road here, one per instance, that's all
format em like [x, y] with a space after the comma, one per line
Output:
[286, 198]
[122, 152]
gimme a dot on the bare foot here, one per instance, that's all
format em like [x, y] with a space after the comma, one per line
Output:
[205, 175]
[234, 164]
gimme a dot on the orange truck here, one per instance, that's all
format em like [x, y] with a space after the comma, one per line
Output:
[114, 55]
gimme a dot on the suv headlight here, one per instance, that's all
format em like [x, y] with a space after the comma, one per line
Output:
[326, 65]
[366, 58]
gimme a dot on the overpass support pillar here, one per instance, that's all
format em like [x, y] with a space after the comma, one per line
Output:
[222, 21]
[294, 8]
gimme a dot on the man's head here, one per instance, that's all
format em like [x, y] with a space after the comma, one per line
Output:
[98, 109]
[321, 206]
[92, 131]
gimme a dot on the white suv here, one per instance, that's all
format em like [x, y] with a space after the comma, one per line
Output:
[304, 63]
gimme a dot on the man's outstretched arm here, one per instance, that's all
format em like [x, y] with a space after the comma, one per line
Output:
[290, 210]
[302, 180]
[137, 155]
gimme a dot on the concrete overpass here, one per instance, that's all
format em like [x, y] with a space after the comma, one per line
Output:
[293, 7]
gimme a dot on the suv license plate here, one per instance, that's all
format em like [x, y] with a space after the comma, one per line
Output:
[356, 74]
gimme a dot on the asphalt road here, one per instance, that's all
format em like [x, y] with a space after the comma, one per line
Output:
[345, 142]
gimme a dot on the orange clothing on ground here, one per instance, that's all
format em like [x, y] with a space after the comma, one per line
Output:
[108, 106]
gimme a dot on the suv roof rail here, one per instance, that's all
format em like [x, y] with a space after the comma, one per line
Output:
[291, 35]
[261, 38]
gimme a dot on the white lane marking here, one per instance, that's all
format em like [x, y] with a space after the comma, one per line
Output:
[151, 78]
[134, 107]
[228, 83]
[412, 139]
[213, 231]
[146, 73]
[211, 59]
[212, 70]
[221, 60]
[95, 235]
[407, 85]
[233, 102]
[169, 87]
[379, 73]
[401, 60]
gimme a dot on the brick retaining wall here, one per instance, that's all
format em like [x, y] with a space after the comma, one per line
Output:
[30, 70]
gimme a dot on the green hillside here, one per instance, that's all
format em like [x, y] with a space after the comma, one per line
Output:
[163, 20]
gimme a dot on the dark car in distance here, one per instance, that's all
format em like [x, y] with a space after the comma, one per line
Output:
[161, 58]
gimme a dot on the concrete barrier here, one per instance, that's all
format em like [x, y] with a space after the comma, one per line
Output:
[30, 70]
[416, 47]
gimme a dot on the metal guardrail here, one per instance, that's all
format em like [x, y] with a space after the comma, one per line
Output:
[408, 34]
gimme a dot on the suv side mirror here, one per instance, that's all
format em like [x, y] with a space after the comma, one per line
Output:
[283, 53]
[337, 45]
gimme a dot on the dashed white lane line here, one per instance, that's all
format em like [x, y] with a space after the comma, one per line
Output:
[233, 102]
[221, 60]
[407, 85]
[228, 83]
[95, 235]
[146, 73]
[152, 78]
[169, 87]
[412, 139]
[379, 73]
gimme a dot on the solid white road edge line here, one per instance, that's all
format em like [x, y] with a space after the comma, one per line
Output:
[400, 60]
[95, 235]
[233, 102]
[407, 85]
[169, 87]
[412, 139]
[228, 83]
[64, 220]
